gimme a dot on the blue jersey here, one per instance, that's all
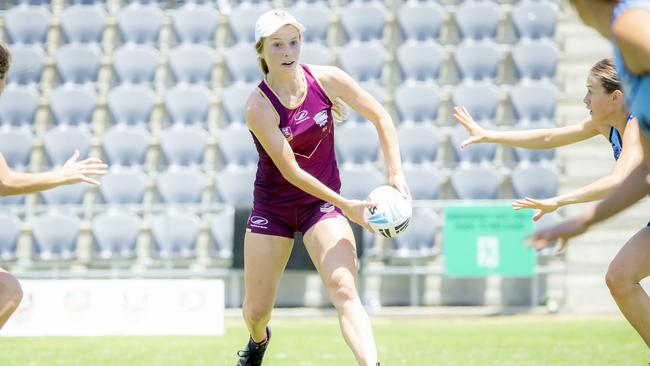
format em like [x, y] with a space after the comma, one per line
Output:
[635, 87]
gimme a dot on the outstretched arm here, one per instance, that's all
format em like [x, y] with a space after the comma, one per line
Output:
[631, 156]
[634, 187]
[73, 171]
[341, 85]
[546, 138]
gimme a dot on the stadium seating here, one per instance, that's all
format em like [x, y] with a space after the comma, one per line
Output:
[175, 234]
[188, 104]
[125, 145]
[131, 104]
[183, 145]
[349, 150]
[18, 107]
[83, 24]
[136, 64]
[123, 186]
[235, 186]
[16, 147]
[363, 61]
[420, 62]
[222, 232]
[417, 103]
[478, 20]
[140, 23]
[418, 144]
[535, 19]
[242, 21]
[535, 60]
[195, 23]
[420, 21]
[419, 240]
[55, 236]
[60, 143]
[535, 181]
[181, 185]
[115, 235]
[9, 234]
[27, 65]
[363, 22]
[233, 100]
[72, 105]
[476, 182]
[236, 147]
[78, 64]
[27, 24]
[317, 19]
[480, 99]
[534, 103]
[478, 61]
[424, 182]
[241, 64]
[192, 63]
[64, 195]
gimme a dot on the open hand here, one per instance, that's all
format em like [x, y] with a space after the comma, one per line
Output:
[75, 171]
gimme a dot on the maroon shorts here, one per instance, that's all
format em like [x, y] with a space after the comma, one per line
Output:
[285, 221]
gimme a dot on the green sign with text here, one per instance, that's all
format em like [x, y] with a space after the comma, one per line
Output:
[482, 240]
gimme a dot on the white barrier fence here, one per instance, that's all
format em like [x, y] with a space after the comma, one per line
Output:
[118, 307]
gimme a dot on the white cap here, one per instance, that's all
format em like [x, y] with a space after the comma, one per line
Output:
[269, 22]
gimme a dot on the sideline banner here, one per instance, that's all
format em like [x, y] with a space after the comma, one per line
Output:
[483, 240]
[118, 307]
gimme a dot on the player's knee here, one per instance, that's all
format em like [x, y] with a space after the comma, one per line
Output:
[618, 281]
[256, 313]
[341, 287]
[10, 289]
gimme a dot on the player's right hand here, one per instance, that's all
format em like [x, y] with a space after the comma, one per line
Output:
[476, 133]
[356, 210]
[75, 171]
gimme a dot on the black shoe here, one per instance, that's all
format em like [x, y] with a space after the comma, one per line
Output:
[253, 354]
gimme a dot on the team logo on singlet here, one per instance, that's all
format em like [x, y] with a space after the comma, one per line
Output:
[301, 116]
[327, 207]
[258, 221]
[321, 118]
[286, 131]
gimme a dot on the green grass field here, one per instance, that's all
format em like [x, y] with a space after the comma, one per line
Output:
[498, 341]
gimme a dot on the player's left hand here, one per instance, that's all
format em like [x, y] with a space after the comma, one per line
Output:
[558, 235]
[542, 206]
[399, 182]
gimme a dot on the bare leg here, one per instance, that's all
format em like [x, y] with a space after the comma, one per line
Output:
[10, 295]
[265, 258]
[629, 267]
[331, 246]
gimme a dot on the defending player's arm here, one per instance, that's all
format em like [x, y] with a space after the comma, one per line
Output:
[261, 120]
[73, 171]
[543, 138]
[341, 85]
[631, 156]
[632, 33]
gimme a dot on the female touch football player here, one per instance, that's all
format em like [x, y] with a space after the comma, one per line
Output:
[291, 117]
[627, 24]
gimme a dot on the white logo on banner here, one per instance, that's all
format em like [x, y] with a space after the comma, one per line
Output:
[487, 252]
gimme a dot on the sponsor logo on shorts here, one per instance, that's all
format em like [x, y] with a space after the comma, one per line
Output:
[327, 207]
[258, 222]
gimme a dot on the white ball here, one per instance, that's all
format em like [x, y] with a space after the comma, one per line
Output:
[392, 214]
